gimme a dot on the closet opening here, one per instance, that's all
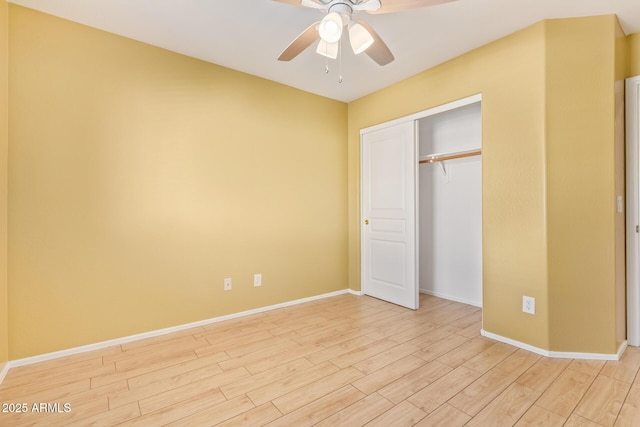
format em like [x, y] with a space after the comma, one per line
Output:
[450, 204]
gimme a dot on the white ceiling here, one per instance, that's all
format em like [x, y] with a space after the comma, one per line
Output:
[248, 35]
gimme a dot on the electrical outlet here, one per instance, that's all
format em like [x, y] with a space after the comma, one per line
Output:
[227, 284]
[257, 280]
[529, 305]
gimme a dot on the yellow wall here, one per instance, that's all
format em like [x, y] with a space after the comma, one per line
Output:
[4, 143]
[620, 73]
[583, 242]
[634, 54]
[141, 178]
[549, 177]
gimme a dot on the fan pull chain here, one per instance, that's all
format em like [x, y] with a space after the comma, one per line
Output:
[326, 60]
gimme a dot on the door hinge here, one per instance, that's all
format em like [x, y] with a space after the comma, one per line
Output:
[637, 228]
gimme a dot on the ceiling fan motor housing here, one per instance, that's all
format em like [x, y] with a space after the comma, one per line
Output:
[341, 7]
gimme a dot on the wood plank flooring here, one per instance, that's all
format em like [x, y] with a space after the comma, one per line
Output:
[342, 361]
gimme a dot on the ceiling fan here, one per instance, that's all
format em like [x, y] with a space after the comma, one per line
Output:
[338, 19]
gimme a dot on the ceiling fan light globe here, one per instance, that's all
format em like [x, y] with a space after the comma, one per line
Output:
[330, 28]
[330, 50]
[360, 38]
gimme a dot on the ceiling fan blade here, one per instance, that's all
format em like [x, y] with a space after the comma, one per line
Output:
[368, 6]
[301, 42]
[315, 4]
[390, 6]
[378, 51]
[294, 2]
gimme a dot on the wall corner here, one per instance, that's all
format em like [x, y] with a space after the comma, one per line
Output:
[4, 144]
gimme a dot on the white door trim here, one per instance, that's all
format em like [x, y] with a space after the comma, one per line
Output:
[633, 208]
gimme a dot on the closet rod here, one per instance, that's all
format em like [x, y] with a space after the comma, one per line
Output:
[442, 157]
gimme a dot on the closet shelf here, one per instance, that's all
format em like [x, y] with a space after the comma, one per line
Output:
[433, 158]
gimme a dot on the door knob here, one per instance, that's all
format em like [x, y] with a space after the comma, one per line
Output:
[366, 222]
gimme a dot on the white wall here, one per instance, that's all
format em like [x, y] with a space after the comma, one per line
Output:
[450, 207]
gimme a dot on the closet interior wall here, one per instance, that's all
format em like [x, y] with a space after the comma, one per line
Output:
[450, 206]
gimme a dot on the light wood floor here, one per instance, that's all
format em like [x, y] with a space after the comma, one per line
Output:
[346, 360]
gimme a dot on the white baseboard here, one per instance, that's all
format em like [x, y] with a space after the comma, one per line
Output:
[556, 354]
[451, 298]
[3, 371]
[118, 341]
[159, 332]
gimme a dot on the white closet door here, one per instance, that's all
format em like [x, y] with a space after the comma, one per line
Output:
[389, 163]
